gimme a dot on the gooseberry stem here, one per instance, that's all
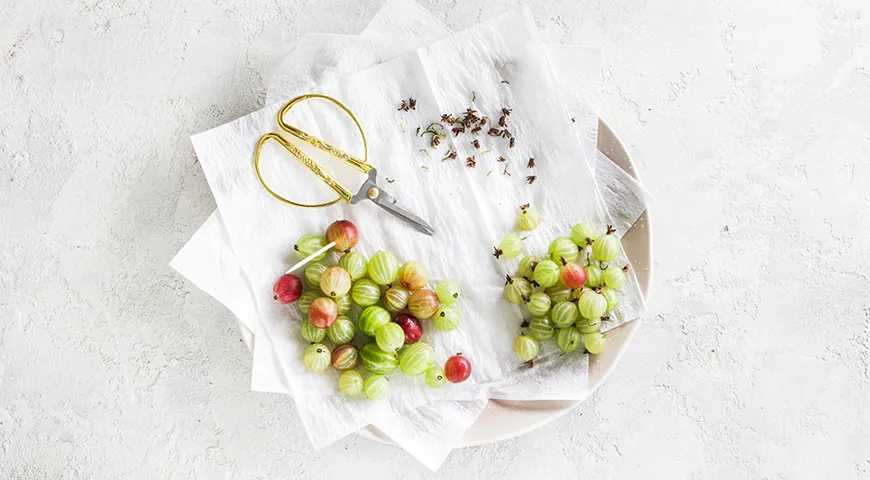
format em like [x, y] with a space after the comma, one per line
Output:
[310, 258]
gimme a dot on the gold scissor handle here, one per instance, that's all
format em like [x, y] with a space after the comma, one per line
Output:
[323, 175]
[345, 157]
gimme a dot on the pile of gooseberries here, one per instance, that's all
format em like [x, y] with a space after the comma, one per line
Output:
[567, 293]
[380, 298]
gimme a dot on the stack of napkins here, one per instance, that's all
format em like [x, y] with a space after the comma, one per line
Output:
[247, 243]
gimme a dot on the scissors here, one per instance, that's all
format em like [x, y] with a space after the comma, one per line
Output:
[369, 190]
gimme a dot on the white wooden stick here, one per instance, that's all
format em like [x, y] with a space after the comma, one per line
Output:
[311, 257]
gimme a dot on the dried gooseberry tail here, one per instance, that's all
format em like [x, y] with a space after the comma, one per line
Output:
[496, 252]
[625, 268]
[508, 280]
[564, 262]
[610, 230]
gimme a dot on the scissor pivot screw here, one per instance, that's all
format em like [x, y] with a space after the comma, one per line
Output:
[373, 193]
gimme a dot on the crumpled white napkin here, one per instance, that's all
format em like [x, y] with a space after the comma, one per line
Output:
[213, 224]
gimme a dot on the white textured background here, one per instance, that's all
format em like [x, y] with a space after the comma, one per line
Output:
[750, 121]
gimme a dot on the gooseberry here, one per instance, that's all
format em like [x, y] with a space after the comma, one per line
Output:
[435, 377]
[569, 339]
[416, 359]
[316, 357]
[378, 361]
[594, 276]
[423, 303]
[383, 268]
[563, 247]
[446, 318]
[541, 328]
[365, 292]
[355, 263]
[335, 282]
[287, 289]
[547, 273]
[396, 298]
[588, 325]
[526, 347]
[371, 319]
[344, 357]
[529, 219]
[413, 275]
[344, 303]
[539, 304]
[323, 312]
[591, 304]
[517, 290]
[564, 314]
[311, 333]
[595, 343]
[350, 382]
[412, 327]
[558, 293]
[457, 369]
[612, 297]
[309, 244]
[390, 336]
[511, 246]
[606, 247]
[341, 331]
[345, 235]
[376, 387]
[527, 266]
[447, 291]
[573, 275]
[306, 299]
[313, 272]
[584, 234]
[614, 277]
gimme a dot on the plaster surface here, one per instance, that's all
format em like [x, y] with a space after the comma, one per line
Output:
[750, 123]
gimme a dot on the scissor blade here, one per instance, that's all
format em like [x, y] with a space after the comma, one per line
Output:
[388, 203]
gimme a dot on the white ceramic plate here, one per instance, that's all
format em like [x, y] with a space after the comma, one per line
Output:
[505, 419]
